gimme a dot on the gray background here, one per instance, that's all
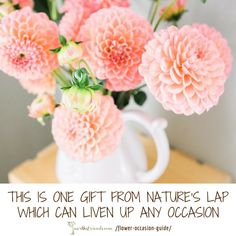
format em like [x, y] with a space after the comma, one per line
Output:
[210, 137]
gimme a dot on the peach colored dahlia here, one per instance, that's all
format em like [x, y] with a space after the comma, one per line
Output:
[113, 42]
[91, 6]
[71, 23]
[110, 3]
[40, 86]
[220, 42]
[25, 42]
[77, 11]
[88, 6]
[184, 70]
[88, 136]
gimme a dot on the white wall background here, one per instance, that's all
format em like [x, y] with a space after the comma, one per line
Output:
[210, 137]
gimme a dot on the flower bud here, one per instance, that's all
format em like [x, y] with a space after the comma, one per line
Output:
[42, 106]
[6, 8]
[175, 11]
[70, 54]
[79, 99]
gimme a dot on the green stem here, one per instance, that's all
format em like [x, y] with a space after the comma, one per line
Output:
[141, 86]
[62, 81]
[52, 5]
[155, 7]
[164, 14]
[109, 92]
[82, 61]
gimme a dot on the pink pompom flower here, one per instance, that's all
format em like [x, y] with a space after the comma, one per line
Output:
[78, 11]
[25, 42]
[40, 86]
[42, 106]
[221, 44]
[110, 3]
[71, 23]
[91, 6]
[88, 136]
[113, 42]
[183, 70]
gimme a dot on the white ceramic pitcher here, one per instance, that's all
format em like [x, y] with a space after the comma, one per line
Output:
[128, 164]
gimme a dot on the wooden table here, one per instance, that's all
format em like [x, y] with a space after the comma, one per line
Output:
[181, 169]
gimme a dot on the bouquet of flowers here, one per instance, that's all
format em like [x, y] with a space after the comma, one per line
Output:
[101, 54]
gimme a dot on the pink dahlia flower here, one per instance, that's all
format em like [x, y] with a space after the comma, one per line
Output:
[184, 70]
[25, 42]
[88, 136]
[91, 6]
[110, 3]
[77, 11]
[113, 42]
[71, 23]
[40, 86]
[221, 44]
[88, 6]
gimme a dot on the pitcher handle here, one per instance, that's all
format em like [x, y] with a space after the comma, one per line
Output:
[156, 127]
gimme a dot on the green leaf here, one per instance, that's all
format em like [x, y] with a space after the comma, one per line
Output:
[79, 42]
[140, 98]
[17, 6]
[176, 17]
[56, 50]
[81, 78]
[65, 88]
[84, 81]
[95, 87]
[121, 99]
[204, 1]
[63, 40]
[101, 82]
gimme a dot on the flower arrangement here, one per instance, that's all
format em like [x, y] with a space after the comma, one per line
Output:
[101, 54]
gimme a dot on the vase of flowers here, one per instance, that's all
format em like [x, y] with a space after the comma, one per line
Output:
[101, 54]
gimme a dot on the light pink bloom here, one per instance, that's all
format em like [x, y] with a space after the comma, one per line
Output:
[113, 42]
[40, 86]
[89, 136]
[88, 6]
[91, 6]
[43, 105]
[110, 3]
[25, 42]
[71, 22]
[184, 70]
[77, 11]
[221, 44]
